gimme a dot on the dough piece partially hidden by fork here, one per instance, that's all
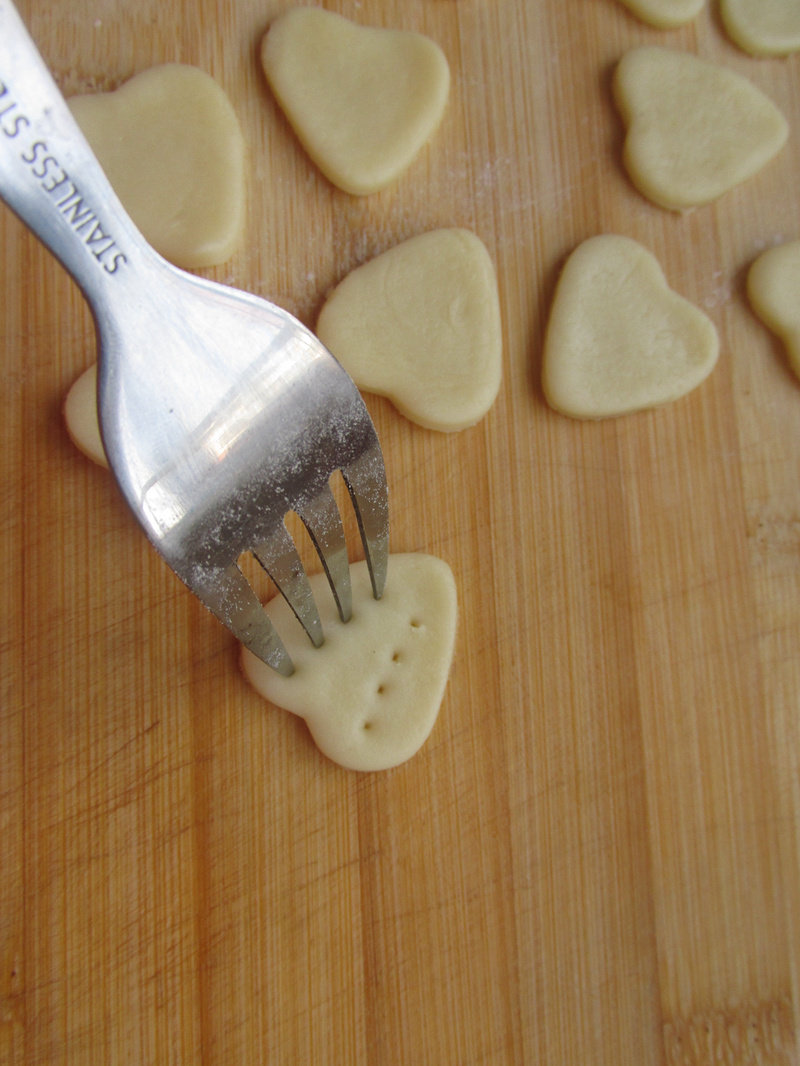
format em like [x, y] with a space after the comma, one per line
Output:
[420, 324]
[80, 415]
[773, 287]
[695, 130]
[665, 14]
[171, 145]
[363, 101]
[371, 693]
[619, 339]
[763, 27]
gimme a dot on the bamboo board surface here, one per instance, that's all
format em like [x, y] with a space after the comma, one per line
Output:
[595, 859]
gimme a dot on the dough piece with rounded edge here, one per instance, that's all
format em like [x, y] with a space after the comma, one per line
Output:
[171, 145]
[773, 287]
[363, 101]
[694, 129]
[420, 324]
[80, 415]
[762, 27]
[665, 14]
[371, 693]
[619, 339]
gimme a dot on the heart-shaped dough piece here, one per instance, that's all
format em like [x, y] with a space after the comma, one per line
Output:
[420, 324]
[665, 14]
[371, 693]
[619, 339]
[694, 129]
[80, 415]
[773, 287]
[763, 27]
[363, 101]
[172, 148]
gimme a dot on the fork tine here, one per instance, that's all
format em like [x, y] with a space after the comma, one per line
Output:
[323, 520]
[279, 558]
[365, 478]
[230, 596]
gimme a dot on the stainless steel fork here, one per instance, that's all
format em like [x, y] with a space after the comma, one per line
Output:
[220, 412]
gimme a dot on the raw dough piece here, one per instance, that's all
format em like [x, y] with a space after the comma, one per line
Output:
[665, 14]
[371, 694]
[363, 101]
[773, 286]
[695, 130]
[80, 414]
[421, 325]
[763, 27]
[619, 339]
[173, 150]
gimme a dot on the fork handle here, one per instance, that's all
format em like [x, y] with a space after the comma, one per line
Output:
[49, 175]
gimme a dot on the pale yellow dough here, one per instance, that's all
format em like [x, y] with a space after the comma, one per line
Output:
[763, 27]
[80, 415]
[773, 286]
[371, 693]
[694, 129]
[665, 14]
[420, 324]
[619, 339]
[363, 101]
[171, 145]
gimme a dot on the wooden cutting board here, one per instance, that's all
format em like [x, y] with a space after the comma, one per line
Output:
[596, 857]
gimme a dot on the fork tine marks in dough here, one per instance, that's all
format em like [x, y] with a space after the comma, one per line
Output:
[371, 693]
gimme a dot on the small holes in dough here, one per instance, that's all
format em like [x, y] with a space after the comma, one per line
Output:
[349, 719]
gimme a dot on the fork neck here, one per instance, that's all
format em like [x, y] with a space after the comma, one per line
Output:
[49, 175]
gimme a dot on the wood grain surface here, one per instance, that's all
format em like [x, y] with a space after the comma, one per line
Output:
[595, 859]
